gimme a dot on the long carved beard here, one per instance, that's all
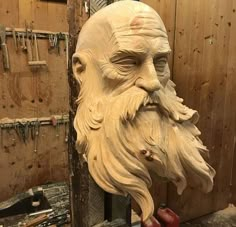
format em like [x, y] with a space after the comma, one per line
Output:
[126, 136]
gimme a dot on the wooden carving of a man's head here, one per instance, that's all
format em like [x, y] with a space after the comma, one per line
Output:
[130, 122]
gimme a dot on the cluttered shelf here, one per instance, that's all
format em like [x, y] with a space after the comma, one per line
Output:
[41, 206]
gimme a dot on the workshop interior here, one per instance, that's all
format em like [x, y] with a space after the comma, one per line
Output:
[48, 177]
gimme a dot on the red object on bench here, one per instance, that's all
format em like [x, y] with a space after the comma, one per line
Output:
[168, 217]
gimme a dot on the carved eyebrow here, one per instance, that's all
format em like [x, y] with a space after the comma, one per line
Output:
[162, 54]
[122, 53]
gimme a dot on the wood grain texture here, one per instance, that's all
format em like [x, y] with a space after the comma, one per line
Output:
[203, 73]
[22, 168]
[229, 137]
[166, 9]
[26, 92]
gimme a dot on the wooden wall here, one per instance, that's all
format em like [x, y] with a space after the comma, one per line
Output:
[28, 93]
[202, 35]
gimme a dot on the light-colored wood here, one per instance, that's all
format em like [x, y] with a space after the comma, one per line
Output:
[166, 9]
[130, 123]
[203, 72]
[9, 13]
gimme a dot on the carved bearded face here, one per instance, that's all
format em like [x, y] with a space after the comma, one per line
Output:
[129, 121]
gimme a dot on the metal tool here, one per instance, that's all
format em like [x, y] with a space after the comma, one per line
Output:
[6, 63]
[14, 38]
[24, 47]
[36, 61]
[23, 128]
[18, 40]
[67, 50]
[2, 135]
[66, 132]
[36, 221]
[37, 126]
[57, 130]
[56, 219]
[56, 43]
[51, 42]
[29, 48]
[47, 211]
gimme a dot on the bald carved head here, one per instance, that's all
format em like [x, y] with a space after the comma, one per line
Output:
[130, 123]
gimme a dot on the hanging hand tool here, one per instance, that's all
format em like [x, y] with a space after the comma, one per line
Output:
[57, 129]
[24, 47]
[14, 38]
[6, 64]
[32, 130]
[37, 126]
[24, 130]
[56, 43]
[36, 61]
[51, 42]
[2, 135]
[18, 40]
[67, 50]
[66, 132]
[29, 48]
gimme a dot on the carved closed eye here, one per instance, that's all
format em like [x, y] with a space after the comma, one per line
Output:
[126, 62]
[160, 64]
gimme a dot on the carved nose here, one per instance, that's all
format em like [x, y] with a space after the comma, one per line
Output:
[148, 79]
[148, 85]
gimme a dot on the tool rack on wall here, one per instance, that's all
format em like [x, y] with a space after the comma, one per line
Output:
[29, 128]
[25, 39]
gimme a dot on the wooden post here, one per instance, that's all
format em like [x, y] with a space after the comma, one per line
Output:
[87, 200]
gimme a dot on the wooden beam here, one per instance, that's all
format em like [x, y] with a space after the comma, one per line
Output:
[86, 198]
[88, 202]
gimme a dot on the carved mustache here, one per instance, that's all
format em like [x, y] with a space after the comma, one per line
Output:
[151, 100]
[133, 102]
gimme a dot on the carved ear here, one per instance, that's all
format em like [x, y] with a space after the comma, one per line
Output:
[78, 66]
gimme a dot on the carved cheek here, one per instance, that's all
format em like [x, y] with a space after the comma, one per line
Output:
[164, 79]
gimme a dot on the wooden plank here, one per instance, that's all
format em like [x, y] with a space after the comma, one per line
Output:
[9, 13]
[26, 12]
[24, 168]
[57, 15]
[200, 69]
[229, 138]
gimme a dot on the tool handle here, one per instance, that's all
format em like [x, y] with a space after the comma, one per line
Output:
[5, 56]
[29, 50]
[14, 38]
[36, 48]
[37, 220]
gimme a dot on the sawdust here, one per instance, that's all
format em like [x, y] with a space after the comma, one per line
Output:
[222, 218]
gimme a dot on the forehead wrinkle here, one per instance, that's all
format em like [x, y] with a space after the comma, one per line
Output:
[148, 29]
[117, 39]
[143, 23]
[144, 48]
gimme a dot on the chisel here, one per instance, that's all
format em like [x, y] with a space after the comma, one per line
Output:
[6, 64]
